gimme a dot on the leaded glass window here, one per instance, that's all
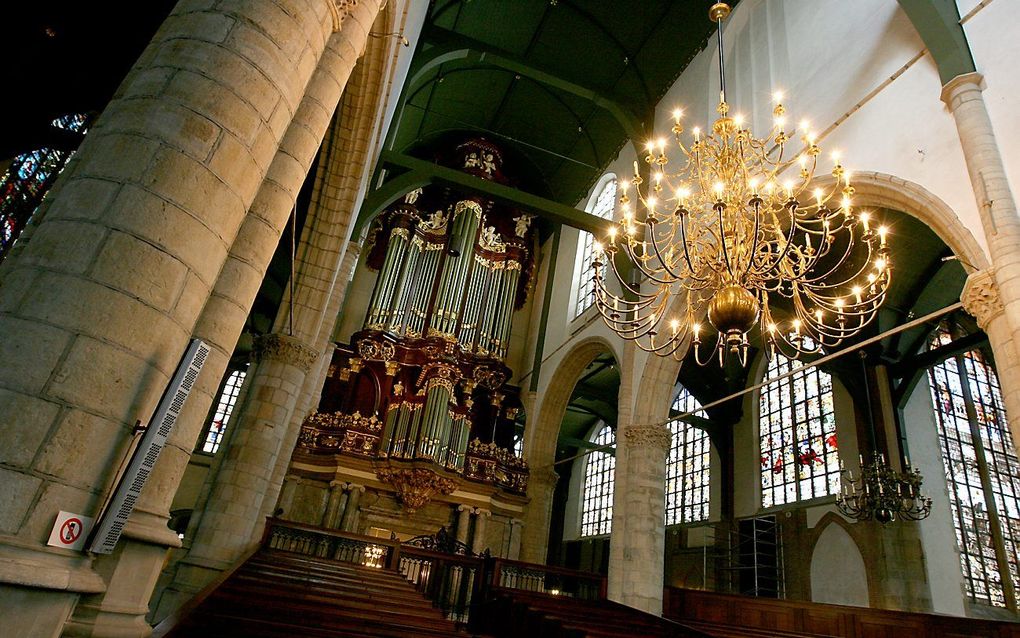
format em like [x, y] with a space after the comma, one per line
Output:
[599, 469]
[28, 178]
[603, 207]
[687, 467]
[972, 428]
[224, 408]
[797, 429]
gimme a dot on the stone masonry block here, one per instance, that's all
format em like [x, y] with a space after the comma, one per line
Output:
[116, 156]
[109, 381]
[83, 449]
[218, 104]
[193, 298]
[83, 198]
[183, 127]
[16, 497]
[141, 270]
[170, 228]
[24, 428]
[56, 497]
[29, 350]
[68, 246]
[233, 163]
[198, 25]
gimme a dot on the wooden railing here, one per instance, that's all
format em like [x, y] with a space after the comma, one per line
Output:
[453, 582]
[331, 544]
[545, 579]
[816, 618]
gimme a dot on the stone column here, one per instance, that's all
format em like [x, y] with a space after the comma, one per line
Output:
[232, 512]
[980, 298]
[637, 556]
[514, 549]
[99, 301]
[535, 543]
[335, 505]
[290, 485]
[992, 191]
[478, 541]
[349, 521]
[463, 523]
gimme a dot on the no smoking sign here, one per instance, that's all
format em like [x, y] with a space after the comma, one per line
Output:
[70, 531]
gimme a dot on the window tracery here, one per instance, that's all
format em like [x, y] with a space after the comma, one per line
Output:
[688, 466]
[224, 409]
[797, 430]
[980, 460]
[603, 207]
[599, 479]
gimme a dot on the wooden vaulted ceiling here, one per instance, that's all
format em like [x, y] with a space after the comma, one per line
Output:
[561, 84]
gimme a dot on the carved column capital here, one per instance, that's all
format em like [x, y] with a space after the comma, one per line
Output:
[544, 477]
[286, 349]
[651, 435]
[340, 9]
[980, 297]
[973, 81]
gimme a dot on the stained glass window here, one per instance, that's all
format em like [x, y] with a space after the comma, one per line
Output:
[972, 428]
[687, 468]
[519, 447]
[797, 429]
[27, 180]
[224, 408]
[597, 504]
[603, 207]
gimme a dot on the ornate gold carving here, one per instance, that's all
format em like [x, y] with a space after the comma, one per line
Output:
[980, 297]
[657, 436]
[376, 350]
[412, 196]
[521, 224]
[392, 367]
[400, 232]
[491, 241]
[489, 377]
[286, 349]
[483, 160]
[415, 487]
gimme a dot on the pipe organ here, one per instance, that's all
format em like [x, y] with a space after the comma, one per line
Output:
[421, 392]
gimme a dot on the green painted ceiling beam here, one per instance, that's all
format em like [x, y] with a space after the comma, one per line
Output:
[938, 24]
[429, 172]
[452, 47]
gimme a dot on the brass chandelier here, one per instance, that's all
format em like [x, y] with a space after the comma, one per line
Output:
[711, 247]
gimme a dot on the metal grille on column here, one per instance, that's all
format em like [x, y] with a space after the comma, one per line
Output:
[421, 390]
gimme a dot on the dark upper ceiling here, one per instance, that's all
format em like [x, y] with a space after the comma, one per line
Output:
[545, 78]
[66, 57]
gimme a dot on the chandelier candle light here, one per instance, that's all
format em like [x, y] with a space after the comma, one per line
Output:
[740, 225]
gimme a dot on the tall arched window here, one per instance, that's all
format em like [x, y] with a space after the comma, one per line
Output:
[797, 429]
[982, 470]
[599, 469]
[217, 426]
[603, 206]
[687, 468]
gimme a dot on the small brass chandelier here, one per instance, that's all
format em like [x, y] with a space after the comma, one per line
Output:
[882, 494]
[710, 247]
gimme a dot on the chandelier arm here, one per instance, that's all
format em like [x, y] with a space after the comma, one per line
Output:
[665, 264]
[754, 237]
[772, 267]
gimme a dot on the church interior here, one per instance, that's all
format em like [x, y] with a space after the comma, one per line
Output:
[499, 318]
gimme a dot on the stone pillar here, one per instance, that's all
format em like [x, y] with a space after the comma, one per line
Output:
[980, 298]
[335, 505]
[98, 303]
[349, 521]
[994, 197]
[637, 555]
[463, 523]
[541, 485]
[514, 546]
[478, 541]
[290, 485]
[231, 513]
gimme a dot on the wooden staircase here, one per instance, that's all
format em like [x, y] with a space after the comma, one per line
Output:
[277, 594]
[513, 613]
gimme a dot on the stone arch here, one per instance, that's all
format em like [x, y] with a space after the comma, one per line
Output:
[540, 436]
[834, 529]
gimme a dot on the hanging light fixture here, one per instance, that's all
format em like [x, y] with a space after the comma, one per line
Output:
[702, 254]
[880, 493]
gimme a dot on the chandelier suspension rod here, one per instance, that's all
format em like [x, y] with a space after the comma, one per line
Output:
[806, 366]
[722, 73]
